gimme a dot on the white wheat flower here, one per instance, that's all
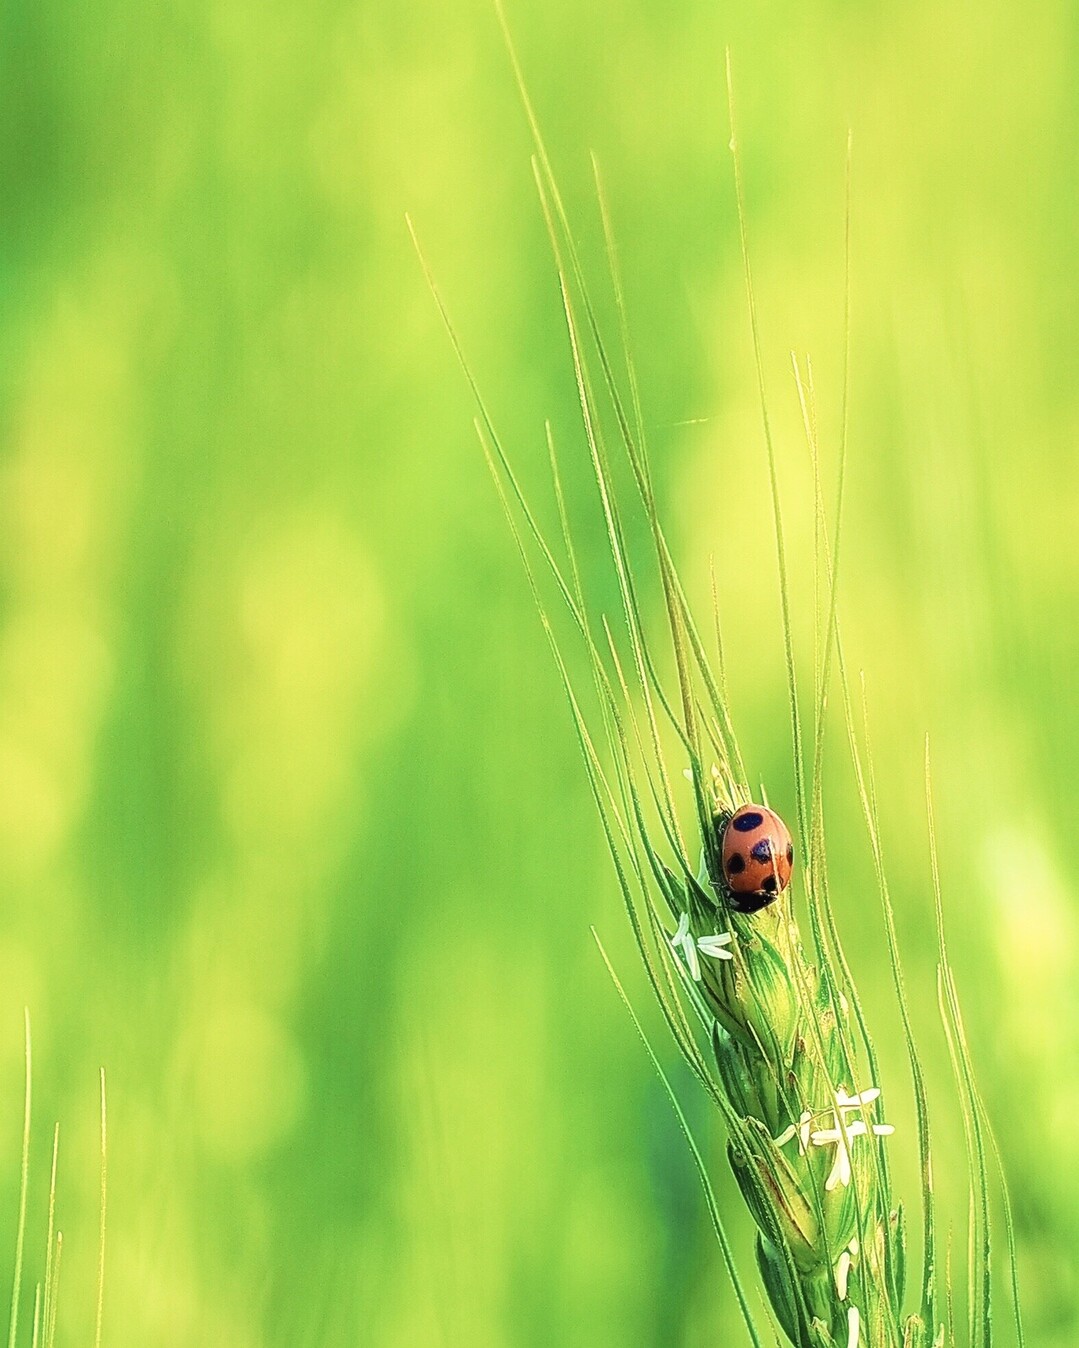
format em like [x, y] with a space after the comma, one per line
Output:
[712, 946]
[840, 1136]
[843, 1133]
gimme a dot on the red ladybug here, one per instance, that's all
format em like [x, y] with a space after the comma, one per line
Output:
[758, 855]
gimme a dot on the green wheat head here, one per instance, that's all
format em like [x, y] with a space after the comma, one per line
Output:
[766, 1015]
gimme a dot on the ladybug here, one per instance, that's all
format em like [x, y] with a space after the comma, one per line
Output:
[757, 857]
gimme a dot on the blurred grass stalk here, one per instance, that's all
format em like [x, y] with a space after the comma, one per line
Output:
[775, 1036]
[46, 1287]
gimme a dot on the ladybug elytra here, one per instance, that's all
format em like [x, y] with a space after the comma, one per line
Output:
[757, 857]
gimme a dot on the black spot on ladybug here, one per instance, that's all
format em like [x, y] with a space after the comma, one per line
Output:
[764, 850]
[746, 823]
[736, 864]
[790, 851]
[768, 884]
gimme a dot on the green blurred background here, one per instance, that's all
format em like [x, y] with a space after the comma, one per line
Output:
[293, 834]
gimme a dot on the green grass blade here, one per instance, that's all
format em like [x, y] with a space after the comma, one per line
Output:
[50, 1327]
[47, 1302]
[492, 434]
[104, 1210]
[865, 779]
[1009, 1234]
[980, 1290]
[16, 1282]
[773, 477]
[615, 273]
[641, 464]
[612, 520]
[698, 1159]
[613, 827]
[681, 622]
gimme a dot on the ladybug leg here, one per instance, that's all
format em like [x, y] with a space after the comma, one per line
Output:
[713, 848]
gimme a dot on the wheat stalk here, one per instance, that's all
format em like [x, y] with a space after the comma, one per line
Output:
[770, 1025]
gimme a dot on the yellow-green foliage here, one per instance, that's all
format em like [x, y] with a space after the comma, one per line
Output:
[293, 836]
